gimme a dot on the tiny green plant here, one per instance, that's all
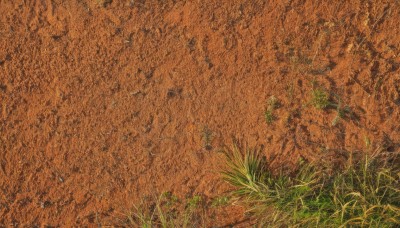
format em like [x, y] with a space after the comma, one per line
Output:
[191, 207]
[193, 202]
[269, 117]
[341, 111]
[272, 104]
[320, 99]
[220, 201]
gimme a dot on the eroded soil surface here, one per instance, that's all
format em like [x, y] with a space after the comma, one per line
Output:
[103, 103]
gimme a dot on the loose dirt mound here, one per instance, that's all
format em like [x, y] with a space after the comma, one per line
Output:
[105, 102]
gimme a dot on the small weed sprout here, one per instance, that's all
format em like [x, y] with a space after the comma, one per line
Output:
[191, 205]
[320, 99]
[272, 104]
[341, 111]
[220, 201]
[193, 202]
[269, 117]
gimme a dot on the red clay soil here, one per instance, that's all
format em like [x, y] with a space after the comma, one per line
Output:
[106, 102]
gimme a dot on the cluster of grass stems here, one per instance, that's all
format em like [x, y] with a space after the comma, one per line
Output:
[167, 211]
[363, 194]
[272, 104]
[320, 99]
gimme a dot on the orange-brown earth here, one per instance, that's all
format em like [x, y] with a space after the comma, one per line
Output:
[106, 102]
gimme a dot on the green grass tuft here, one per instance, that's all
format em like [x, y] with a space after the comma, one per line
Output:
[220, 201]
[167, 211]
[272, 104]
[269, 117]
[320, 99]
[366, 194]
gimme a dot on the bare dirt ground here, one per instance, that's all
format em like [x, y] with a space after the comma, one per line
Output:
[105, 102]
